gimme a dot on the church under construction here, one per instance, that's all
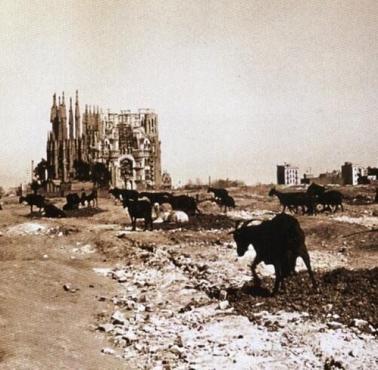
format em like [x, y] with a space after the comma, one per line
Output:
[126, 143]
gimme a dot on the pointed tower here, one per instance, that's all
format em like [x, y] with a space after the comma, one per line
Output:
[85, 121]
[63, 118]
[54, 118]
[71, 121]
[77, 117]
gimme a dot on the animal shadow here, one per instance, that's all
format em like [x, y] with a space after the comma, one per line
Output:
[250, 289]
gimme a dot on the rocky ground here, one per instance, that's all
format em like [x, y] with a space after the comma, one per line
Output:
[86, 292]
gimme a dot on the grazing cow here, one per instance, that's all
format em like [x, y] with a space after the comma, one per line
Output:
[277, 242]
[219, 193]
[33, 200]
[72, 202]
[122, 194]
[327, 198]
[116, 193]
[52, 211]
[184, 203]
[139, 209]
[157, 197]
[227, 202]
[294, 200]
[91, 197]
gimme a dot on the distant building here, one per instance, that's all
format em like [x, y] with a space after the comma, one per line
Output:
[333, 177]
[373, 171]
[287, 175]
[126, 143]
[352, 172]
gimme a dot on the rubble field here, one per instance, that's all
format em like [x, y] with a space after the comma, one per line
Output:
[87, 292]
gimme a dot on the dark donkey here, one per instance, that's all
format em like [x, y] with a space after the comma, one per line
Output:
[326, 198]
[91, 197]
[278, 242]
[33, 200]
[139, 209]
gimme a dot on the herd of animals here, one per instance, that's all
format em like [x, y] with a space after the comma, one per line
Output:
[279, 241]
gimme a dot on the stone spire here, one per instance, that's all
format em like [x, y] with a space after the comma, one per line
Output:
[54, 119]
[77, 117]
[71, 121]
[63, 118]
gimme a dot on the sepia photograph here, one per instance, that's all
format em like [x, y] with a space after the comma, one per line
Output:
[188, 184]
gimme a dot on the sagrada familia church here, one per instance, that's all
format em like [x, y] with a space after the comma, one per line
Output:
[126, 143]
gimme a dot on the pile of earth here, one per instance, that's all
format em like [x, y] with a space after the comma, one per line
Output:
[343, 295]
[200, 222]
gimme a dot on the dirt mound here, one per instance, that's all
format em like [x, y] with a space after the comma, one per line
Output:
[200, 222]
[343, 295]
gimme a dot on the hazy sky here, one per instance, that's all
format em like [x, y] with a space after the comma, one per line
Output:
[239, 86]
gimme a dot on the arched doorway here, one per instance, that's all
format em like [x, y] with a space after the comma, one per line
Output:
[125, 172]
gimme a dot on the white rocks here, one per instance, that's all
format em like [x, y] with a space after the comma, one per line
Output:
[223, 294]
[108, 351]
[181, 328]
[118, 318]
[363, 325]
[334, 325]
[358, 323]
[103, 271]
[120, 276]
[130, 336]
[176, 350]
[27, 228]
[106, 327]
[224, 305]
[69, 288]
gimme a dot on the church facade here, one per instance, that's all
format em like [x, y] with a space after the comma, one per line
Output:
[126, 143]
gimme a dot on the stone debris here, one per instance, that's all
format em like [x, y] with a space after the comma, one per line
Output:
[85, 249]
[69, 288]
[106, 327]
[28, 228]
[118, 318]
[223, 305]
[363, 325]
[167, 315]
[108, 351]
[334, 324]
[368, 221]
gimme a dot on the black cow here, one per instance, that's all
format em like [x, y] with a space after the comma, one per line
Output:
[52, 211]
[122, 194]
[294, 201]
[139, 209]
[156, 197]
[72, 202]
[227, 202]
[184, 203]
[219, 193]
[327, 198]
[277, 242]
[33, 200]
[91, 197]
